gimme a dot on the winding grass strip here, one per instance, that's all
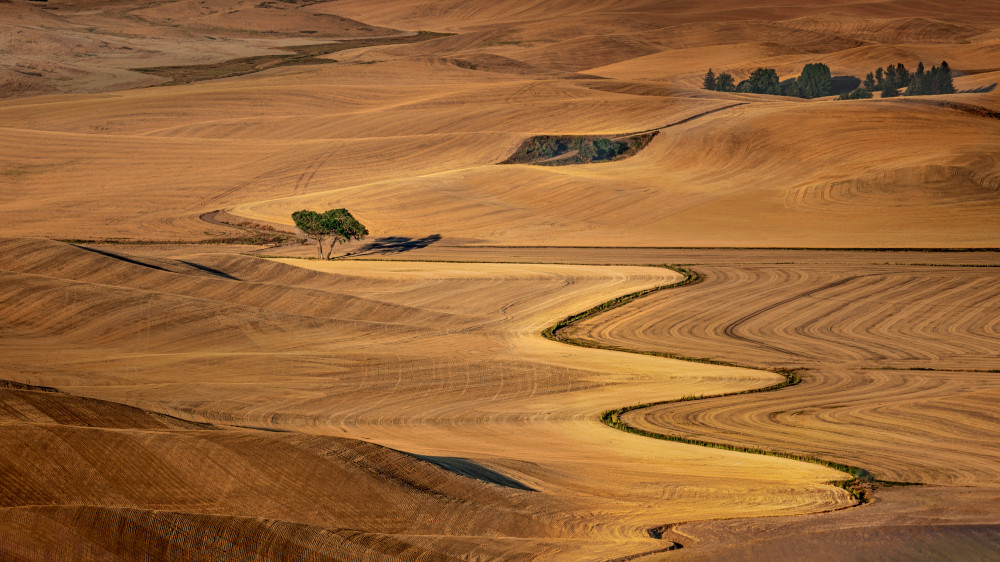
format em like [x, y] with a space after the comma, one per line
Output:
[861, 483]
[301, 55]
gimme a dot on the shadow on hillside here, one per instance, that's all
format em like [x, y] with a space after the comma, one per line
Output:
[393, 245]
[980, 90]
[210, 270]
[120, 257]
[469, 469]
[843, 84]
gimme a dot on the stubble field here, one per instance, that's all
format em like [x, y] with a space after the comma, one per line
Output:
[174, 389]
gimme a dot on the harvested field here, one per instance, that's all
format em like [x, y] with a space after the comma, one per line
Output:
[898, 367]
[245, 343]
[894, 359]
[178, 382]
[803, 316]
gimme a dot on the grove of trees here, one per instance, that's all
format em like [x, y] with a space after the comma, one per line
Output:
[892, 78]
[765, 81]
[335, 225]
[815, 81]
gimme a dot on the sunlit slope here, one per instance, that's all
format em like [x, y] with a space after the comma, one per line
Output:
[746, 176]
[102, 161]
[751, 175]
[426, 123]
[465, 14]
[442, 360]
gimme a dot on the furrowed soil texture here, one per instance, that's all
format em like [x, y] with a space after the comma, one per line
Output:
[179, 381]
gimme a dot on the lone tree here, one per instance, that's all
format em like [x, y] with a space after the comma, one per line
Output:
[814, 81]
[337, 225]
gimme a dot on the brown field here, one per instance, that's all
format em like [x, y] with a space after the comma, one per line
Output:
[172, 387]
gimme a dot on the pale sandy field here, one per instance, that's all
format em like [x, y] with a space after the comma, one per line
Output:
[171, 388]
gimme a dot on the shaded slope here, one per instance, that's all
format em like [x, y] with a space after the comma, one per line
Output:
[99, 533]
[107, 472]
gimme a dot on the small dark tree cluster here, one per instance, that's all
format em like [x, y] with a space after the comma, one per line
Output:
[761, 81]
[936, 81]
[857, 94]
[336, 225]
[812, 83]
[722, 83]
[891, 79]
[560, 150]
[815, 81]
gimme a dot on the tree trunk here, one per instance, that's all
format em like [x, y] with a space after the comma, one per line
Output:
[319, 241]
[330, 251]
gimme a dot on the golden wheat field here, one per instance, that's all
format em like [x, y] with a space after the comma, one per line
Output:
[769, 330]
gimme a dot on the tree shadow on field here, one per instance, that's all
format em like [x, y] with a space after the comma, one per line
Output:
[393, 245]
[843, 84]
[469, 469]
[980, 90]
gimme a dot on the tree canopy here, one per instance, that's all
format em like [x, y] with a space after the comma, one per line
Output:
[763, 81]
[336, 225]
[936, 81]
[724, 82]
[814, 81]
[922, 82]
[709, 82]
[857, 94]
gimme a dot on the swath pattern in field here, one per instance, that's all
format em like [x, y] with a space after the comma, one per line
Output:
[856, 332]
[504, 451]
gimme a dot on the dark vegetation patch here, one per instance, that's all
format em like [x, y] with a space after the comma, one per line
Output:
[815, 81]
[14, 385]
[559, 150]
[296, 3]
[302, 54]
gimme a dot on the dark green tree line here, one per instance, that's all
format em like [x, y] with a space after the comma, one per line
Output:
[816, 81]
[919, 83]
